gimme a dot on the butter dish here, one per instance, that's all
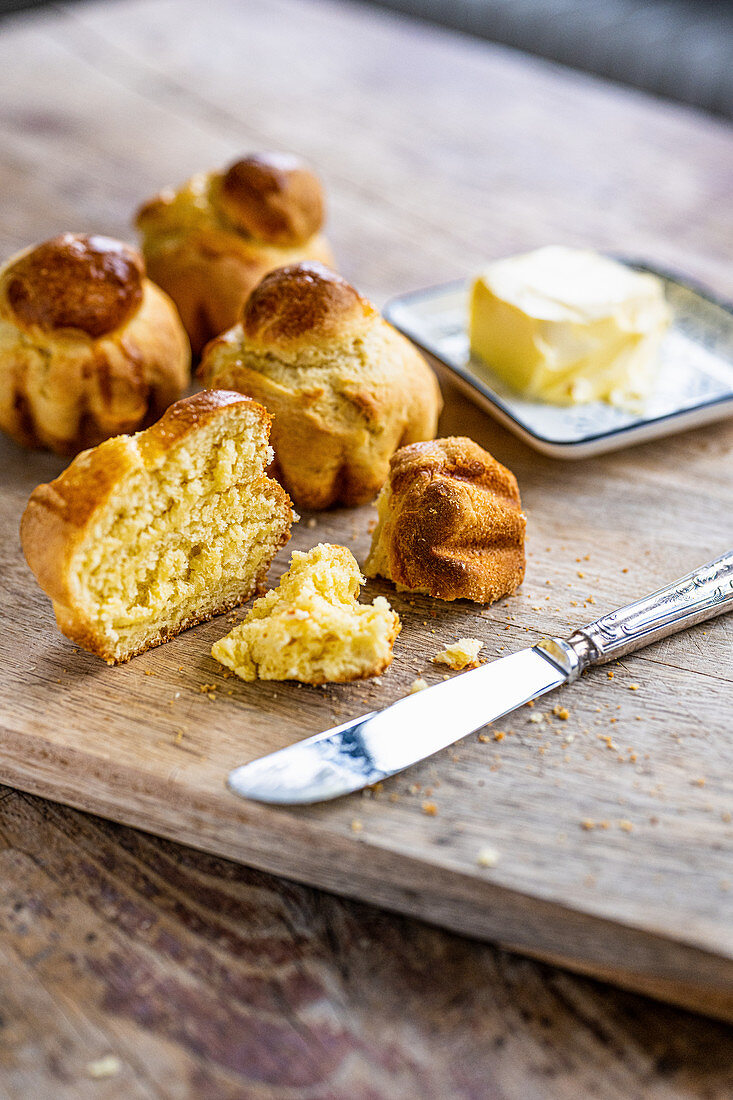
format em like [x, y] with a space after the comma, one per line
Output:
[694, 384]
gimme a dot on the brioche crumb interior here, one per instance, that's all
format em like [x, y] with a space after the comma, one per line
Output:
[311, 627]
[185, 534]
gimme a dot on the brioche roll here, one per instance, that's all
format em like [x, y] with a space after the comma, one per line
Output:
[89, 346]
[345, 388]
[210, 242]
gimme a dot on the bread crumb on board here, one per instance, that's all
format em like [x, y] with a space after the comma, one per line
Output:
[461, 654]
[418, 685]
[109, 1066]
[487, 857]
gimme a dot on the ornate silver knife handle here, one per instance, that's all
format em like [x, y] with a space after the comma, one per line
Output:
[702, 594]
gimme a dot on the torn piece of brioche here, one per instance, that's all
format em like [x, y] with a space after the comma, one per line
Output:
[148, 534]
[311, 627]
[450, 523]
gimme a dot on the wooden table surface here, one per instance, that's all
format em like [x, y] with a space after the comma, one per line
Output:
[131, 966]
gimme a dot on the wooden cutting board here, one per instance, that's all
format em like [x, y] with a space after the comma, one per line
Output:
[609, 817]
[438, 153]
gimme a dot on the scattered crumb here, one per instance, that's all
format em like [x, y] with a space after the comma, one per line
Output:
[311, 523]
[699, 782]
[537, 718]
[625, 825]
[356, 825]
[487, 857]
[587, 823]
[109, 1066]
[561, 712]
[418, 685]
[461, 654]
[610, 674]
[633, 687]
[484, 738]
[499, 735]
[429, 808]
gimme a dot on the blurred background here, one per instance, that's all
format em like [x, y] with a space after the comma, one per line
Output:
[678, 49]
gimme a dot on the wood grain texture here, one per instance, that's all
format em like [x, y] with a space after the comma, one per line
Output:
[438, 153]
[203, 978]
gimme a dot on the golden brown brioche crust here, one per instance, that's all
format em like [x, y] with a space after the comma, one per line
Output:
[58, 514]
[93, 284]
[273, 197]
[345, 389]
[303, 304]
[450, 523]
[210, 242]
[90, 348]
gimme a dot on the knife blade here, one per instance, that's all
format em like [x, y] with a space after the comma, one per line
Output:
[377, 745]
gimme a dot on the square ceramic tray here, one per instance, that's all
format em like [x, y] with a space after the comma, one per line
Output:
[694, 384]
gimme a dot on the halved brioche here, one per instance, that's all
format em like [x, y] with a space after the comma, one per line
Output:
[146, 535]
[311, 627]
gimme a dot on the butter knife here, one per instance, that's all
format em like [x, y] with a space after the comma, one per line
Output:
[382, 743]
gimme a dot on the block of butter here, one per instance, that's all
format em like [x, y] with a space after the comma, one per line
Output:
[565, 325]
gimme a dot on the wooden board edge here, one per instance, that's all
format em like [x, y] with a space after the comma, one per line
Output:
[638, 960]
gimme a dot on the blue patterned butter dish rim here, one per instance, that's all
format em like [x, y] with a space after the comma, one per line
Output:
[694, 387]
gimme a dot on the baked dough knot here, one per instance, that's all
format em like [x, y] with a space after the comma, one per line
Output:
[274, 197]
[76, 281]
[304, 306]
